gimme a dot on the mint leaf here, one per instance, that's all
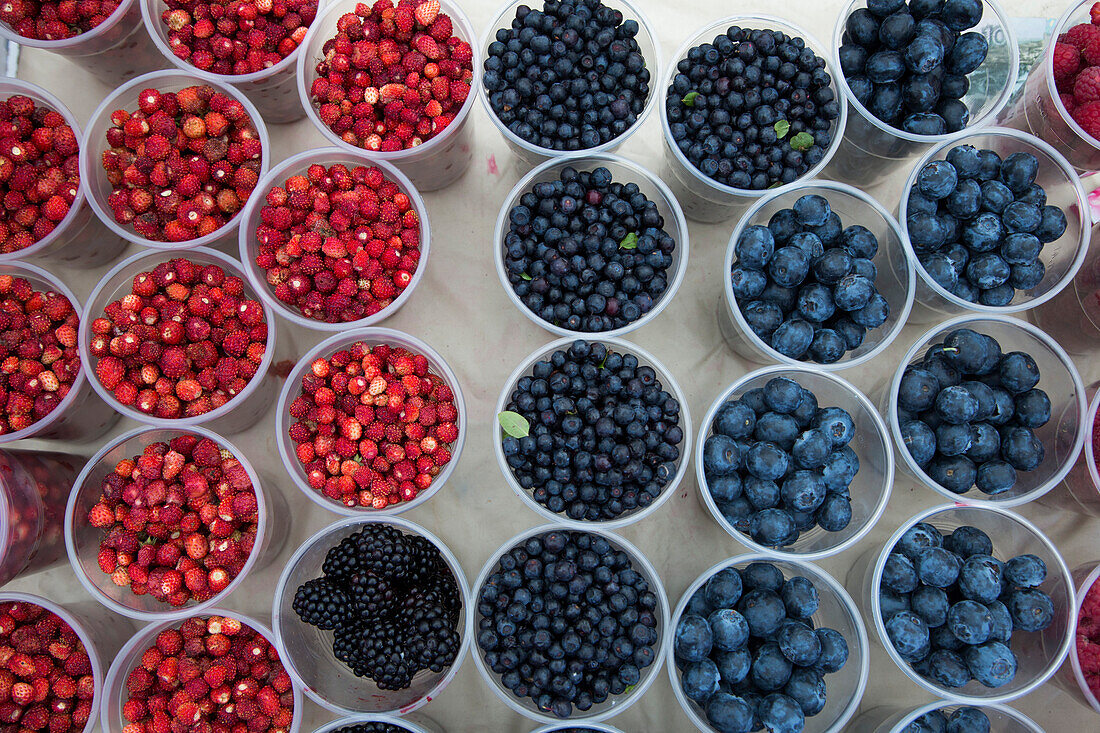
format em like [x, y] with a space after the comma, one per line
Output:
[689, 99]
[525, 276]
[630, 241]
[802, 142]
[514, 424]
[782, 128]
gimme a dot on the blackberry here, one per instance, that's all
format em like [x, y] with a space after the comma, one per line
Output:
[345, 642]
[322, 603]
[372, 727]
[371, 596]
[381, 656]
[383, 550]
[342, 561]
[424, 559]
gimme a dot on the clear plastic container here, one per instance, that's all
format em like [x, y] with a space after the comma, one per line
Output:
[298, 165]
[622, 171]
[116, 50]
[307, 651]
[412, 723]
[273, 90]
[871, 488]
[130, 656]
[94, 181]
[837, 611]
[895, 281]
[703, 198]
[614, 705]
[872, 150]
[1039, 654]
[564, 727]
[80, 239]
[1039, 110]
[531, 155]
[101, 632]
[239, 413]
[1071, 678]
[1002, 719]
[1062, 436]
[1080, 489]
[33, 490]
[435, 163]
[292, 389]
[1062, 258]
[82, 540]
[668, 382]
[82, 415]
[1072, 316]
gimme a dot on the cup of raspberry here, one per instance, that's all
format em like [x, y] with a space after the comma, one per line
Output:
[1081, 677]
[955, 717]
[337, 239]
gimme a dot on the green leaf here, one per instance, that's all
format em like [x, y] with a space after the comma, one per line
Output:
[802, 142]
[514, 424]
[777, 184]
[782, 128]
[689, 99]
[525, 276]
[630, 241]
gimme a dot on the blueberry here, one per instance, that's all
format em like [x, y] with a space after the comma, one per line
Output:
[1031, 609]
[916, 540]
[930, 722]
[1026, 571]
[924, 8]
[954, 86]
[836, 424]
[1021, 217]
[793, 338]
[987, 399]
[735, 419]
[1022, 449]
[971, 352]
[956, 405]
[773, 528]
[834, 650]
[993, 664]
[926, 232]
[807, 688]
[729, 713]
[953, 439]
[918, 389]
[812, 210]
[884, 67]
[774, 427]
[1002, 622]
[995, 196]
[729, 628]
[909, 635]
[930, 604]
[896, 30]
[1033, 408]
[985, 443]
[853, 292]
[938, 567]
[763, 317]
[770, 667]
[966, 200]
[798, 643]
[698, 605]
[942, 638]
[923, 54]
[789, 266]
[991, 166]
[968, 720]
[970, 622]
[997, 297]
[763, 610]
[1052, 225]
[784, 225]
[1034, 194]
[754, 398]
[874, 314]
[948, 668]
[761, 493]
[723, 589]
[967, 54]
[862, 27]
[737, 512]
[919, 440]
[762, 576]
[809, 243]
[852, 59]
[1018, 170]
[983, 233]
[918, 204]
[959, 15]
[937, 180]
[859, 241]
[783, 395]
[835, 513]
[988, 270]
[700, 680]
[852, 333]
[799, 597]
[693, 639]
[954, 113]
[899, 574]
[721, 456]
[966, 159]
[755, 247]
[883, 8]
[734, 666]
[725, 488]
[747, 283]
[1020, 248]
[1026, 277]
[840, 468]
[810, 450]
[980, 578]
[995, 477]
[967, 541]
[781, 714]
[827, 346]
[954, 473]
[865, 268]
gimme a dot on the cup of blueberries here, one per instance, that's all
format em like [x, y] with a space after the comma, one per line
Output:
[381, 724]
[996, 221]
[817, 274]
[986, 409]
[591, 243]
[974, 604]
[917, 73]
[588, 727]
[940, 717]
[795, 462]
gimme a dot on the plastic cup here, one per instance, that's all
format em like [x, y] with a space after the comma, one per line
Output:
[1080, 489]
[434, 164]
[115, 50]
[33, 489]
[298, 165]
[94, 181]
[614, 705]
[82, 540]
[644, 359]
[1002, 719]
[1062, 436]
[871, 488]
[703, 198]
[622, 171]
[101, 633]
[81, 416]
[1039, 110]
[1071, 678]
[413, 724]
[307, 651]
[130, 656]
[895, 279]
[272, 90]
[872, 150]
[531, 155]
[1062, 258]
[244, 409]
[836, 610]
[80, 239]
[1039, 654]
[565, 728]
[293, 388]
[1072, 316]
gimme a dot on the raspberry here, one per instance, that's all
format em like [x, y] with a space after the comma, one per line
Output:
[1067, 60]
[1080, 35]
[1094, 14]
[1088, 117]
[1086, 87]
[1091, 52]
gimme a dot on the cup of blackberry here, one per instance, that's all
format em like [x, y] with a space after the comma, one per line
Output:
[591, 244]
[816, 274]
[370, 616]
[569, 625]
[751, 104]
[947, 718]
[568, 75]
[381, 724]
[989, 403]
[916, 73]
[592, 432]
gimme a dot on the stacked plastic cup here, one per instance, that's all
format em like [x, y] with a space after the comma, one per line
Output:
[1071, 678]
[614, 704]
[1063, 435]
[435, 163]
[895, 280]
[307, 651]
[1061, 258]
[93, 179]
[1002, 719]
[410, 724]
[622, 171]
[1072, 316]
[1039, 654]
[873, 150]
[527, 153]
[870, 490]
[82, 540]
[668, 383]
[80, 239]
[836, 610]
[703, 198]
[298, 165]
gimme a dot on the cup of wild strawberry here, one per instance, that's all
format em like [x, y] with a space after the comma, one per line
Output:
[251, 45]
[219, 668]
[53, 676]
[163, 522]
[169, 160]
[371, 420]
[179, 341]
[338, 239]
[397, 80]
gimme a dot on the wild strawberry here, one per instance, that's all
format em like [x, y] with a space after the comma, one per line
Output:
[426, 12]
